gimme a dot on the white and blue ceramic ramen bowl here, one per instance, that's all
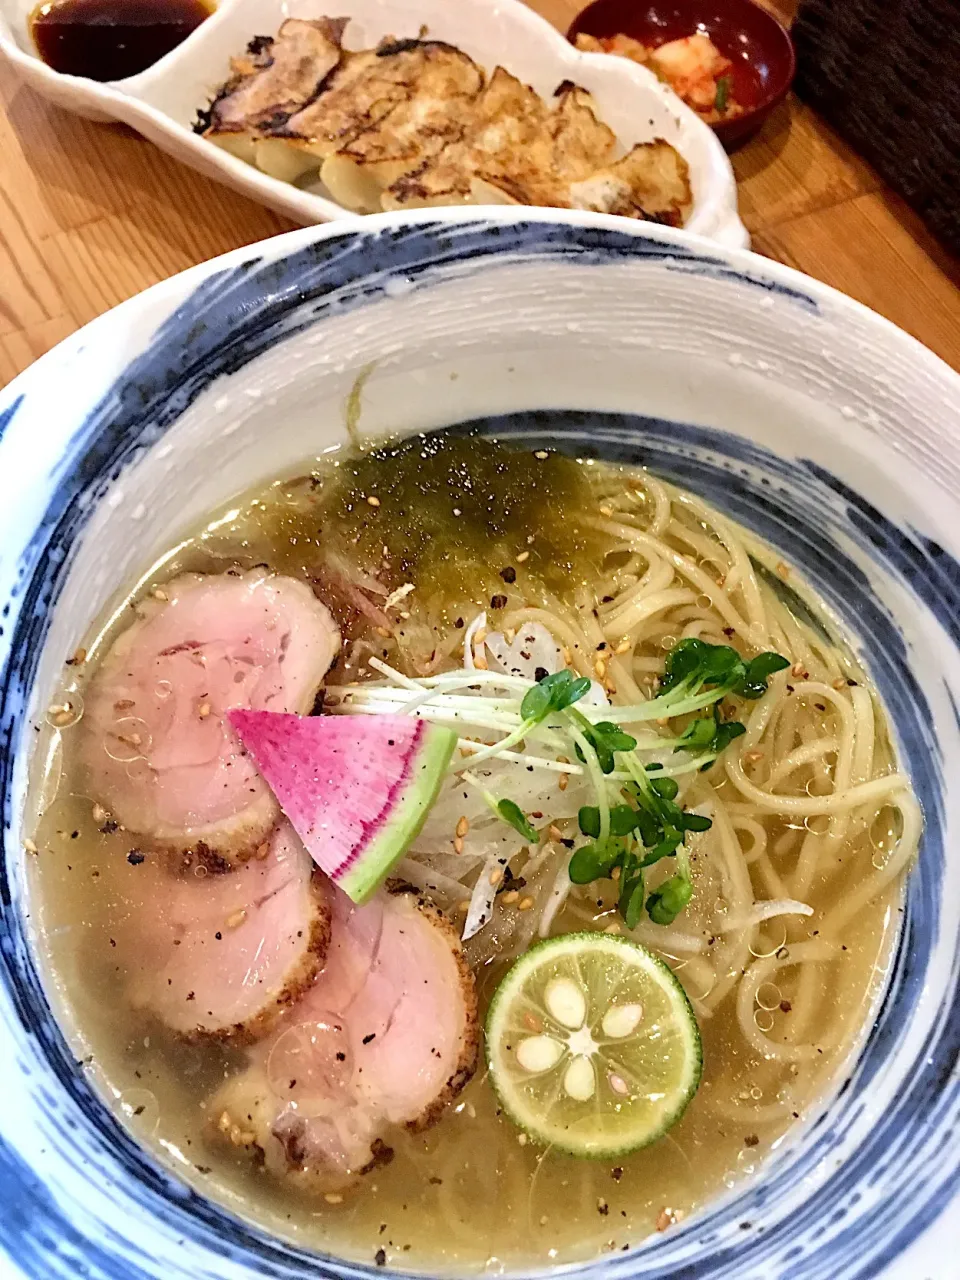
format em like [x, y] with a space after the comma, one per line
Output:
[806, 417]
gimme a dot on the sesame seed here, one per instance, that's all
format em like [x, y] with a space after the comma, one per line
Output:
[840, 683]
[783, 570]
[523, 557]
[623, 647]
[29, 845]
[752, 756]
[158, 593]
[382, 631]
[600, 667]
[237, 919]
[463, 826]
[510, 897]
[606, 511]
[525, 904]
[333, 1197]
[458, 844]
[203, 710]
[541, 454]
[79, 657]
[262, 851]
[372, 500]
[99, 814]
[797, 669]
[481, 663]
[496, 875]
[554, 832]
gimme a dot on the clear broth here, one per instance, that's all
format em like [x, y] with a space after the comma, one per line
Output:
[471, 1193]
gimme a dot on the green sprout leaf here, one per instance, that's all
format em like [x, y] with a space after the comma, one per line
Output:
[592, 862]
[666, 903]
[724, 85]
[623, 819]
[512, 813]
[589, 819]
[553, 693]
[753, 683]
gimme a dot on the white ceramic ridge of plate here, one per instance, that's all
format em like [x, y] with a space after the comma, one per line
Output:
[162, 102]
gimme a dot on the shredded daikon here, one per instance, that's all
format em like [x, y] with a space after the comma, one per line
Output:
[480, 911]
[558, 895]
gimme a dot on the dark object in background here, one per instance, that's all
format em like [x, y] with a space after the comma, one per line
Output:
[753, 40]
[886, 75]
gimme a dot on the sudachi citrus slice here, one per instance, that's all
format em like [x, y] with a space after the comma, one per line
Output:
[592, 1045]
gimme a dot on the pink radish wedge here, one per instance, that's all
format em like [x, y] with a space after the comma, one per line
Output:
[356, 789]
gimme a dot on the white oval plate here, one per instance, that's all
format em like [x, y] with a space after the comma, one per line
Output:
[162, 102]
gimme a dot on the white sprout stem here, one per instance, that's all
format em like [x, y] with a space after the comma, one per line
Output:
[537, 762]
[489, 798]
[650, 710]
[592, 762]
[523, 730]
[462, 678]
[436, 715]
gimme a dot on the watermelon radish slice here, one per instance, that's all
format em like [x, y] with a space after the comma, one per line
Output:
[356, 789]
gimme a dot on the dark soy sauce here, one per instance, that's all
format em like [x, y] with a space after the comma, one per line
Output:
[112, 39]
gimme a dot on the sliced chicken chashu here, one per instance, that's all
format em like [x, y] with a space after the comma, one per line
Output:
[387, 1036]
[222, 956]
[651, 182]
[157, 750]
[275, 78]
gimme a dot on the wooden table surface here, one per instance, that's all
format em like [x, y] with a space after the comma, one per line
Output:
[90, 214]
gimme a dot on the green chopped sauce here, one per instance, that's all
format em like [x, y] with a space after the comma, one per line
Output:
[461, 512]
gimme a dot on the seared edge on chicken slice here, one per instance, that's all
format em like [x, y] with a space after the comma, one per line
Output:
[387, 1037]
[222, 956]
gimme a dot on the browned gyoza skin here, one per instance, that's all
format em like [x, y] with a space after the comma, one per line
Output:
[277, 76]
[157, 750]
[374, 89]
[222, 956]
[387, 1036]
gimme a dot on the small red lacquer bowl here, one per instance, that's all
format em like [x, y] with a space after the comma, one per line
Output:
[758, 46]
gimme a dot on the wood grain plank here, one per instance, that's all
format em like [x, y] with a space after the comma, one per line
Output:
[865, 248]
[796, 165]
